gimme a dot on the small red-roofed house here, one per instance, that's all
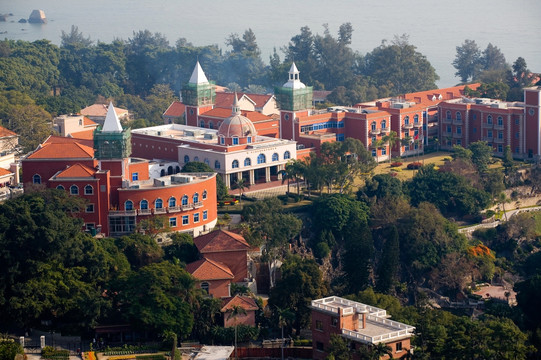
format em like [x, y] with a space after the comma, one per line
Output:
[174, 113]
[228, 248]
[98, 112]
[247, 303]
[213, 277]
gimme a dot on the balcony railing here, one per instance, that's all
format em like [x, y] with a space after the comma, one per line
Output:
[457, 122]
[447, 121]
[487, 126]
[186, 207]
[198, 204]
[407, 126]
[488, 138]
[417, 125]
[144, 212]
[173, 209]
[122, 212]
[159, 211]
[457, 136]
[498, 126]
[385, 130]
[498, 140]
[375, 131]
[446, 133]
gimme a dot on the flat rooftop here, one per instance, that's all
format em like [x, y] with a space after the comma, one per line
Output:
[379, 328]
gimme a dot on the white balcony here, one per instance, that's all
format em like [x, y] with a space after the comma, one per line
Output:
[159, 211]
[144, 212]
[173, 209]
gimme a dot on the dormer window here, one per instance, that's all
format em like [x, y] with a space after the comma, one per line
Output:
[222, 140]
[235, 140]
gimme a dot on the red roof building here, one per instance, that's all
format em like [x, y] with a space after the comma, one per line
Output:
[247, 303]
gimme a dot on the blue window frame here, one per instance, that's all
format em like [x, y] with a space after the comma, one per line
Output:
[205, 195]
[89, 190]
[158, 204]
[185, 220]
[406, 120]
[235, 140]
[287, 155]
[195, 198]
[60, 187]
[340, 137]
[74, 189]
[144, 205]
[217, 164]
[36, 179]
[196, 217]
[185, 200]
[205, 215]
[173, 222]
[134, 176]
[172, 202]
[247, 162]
[186, 159]
[235, 164]
[128, 205]
[261, 159]
[275, 157]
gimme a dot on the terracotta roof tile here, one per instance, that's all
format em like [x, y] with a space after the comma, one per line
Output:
[224, 113]
[5, 132]
[176, 109]
[55, 150]
[425, 97]
[4, 172]
[206, 269]
[77, 171]
[246, 302]
[220, 240]
[85, 134]
[225, 99]
[101, 110]
[88, 122]
[68, 140]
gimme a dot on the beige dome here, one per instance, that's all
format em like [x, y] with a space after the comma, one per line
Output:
[237, 125]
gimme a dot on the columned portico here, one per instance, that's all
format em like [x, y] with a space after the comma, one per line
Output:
[252, 177]
[267, 174]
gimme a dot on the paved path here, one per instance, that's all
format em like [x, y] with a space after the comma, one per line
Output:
[509, 214]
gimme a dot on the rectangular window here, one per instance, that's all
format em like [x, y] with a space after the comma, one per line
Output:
[249, 139]
[458, 141]
[474, 130]
[398, 346]
[489, 134]
[196, 217]
[173, 222]
[334, 321]
[89, 208]
[474, 116]
[459, 129]
[185, 220]
[517, 121]
[500, 148]
[517, 150]
[205, 215]
[102, 188]
[339, 137]
[89, 226]
[383, 151]
[517, 135]
[319, 325]
[448, 128]
[235, 141]
[500, 135]
[134, 176]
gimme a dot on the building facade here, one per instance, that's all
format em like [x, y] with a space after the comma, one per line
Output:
[360, 324]
[122, 191]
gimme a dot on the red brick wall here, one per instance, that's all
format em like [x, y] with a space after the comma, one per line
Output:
[248, 319]
[141, 168]
[218, 288]
[47, 168]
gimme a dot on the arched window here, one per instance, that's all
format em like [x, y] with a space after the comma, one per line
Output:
[186, 159]
[261, 159]
[205, 287]
[196, 159]
[202, 123]
[158, 204]
[195, 198]
[500, 120]
[489, 119]
[406, 120]
[287, 155]
[177, 169]
[162, 173]
[60, 187]
[207, 161]
[235, 164]
[373, 125]
[36, 179]
[74, 190]
[275, 157]
[185, 200]
[458, 116]
[80, 122]
[172, 202]
[383, 124]
[247, 162]
[211, 125]
[205, 195]
[216, 164]
[143, 204]
[448, 115]
[89, 190]
[169, 170]
[416, 119]
[128, 205]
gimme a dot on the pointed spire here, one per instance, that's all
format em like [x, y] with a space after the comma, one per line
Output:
[236, 107]
[198, 76]
[111, 124]
[294, 81]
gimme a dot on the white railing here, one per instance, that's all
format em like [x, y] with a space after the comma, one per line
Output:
[144, 212]
[122, 212]
[159, 211]
[173, 209]
[198, 204]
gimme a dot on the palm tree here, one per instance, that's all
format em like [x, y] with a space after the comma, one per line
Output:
[234, 312]
[285, 316]
[380, 350]
[503, 199]
[391, 140]
[378, 144]
[288, 173]
[241, 184]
